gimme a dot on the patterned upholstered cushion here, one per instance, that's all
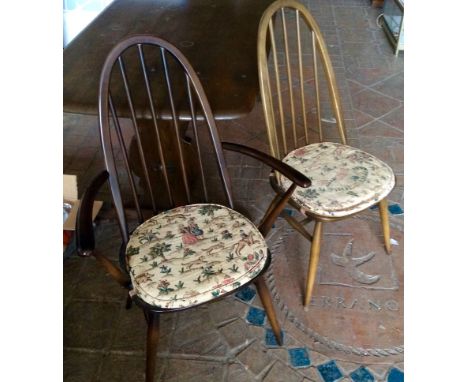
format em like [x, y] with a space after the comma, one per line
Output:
[191, 254]
[344, 179]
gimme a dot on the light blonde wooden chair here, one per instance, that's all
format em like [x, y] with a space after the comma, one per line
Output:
[300, 99]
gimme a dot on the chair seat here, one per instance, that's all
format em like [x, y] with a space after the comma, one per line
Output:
[192, 254]
[345, 180]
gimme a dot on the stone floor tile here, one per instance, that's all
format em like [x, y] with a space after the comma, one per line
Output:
[280, 353]
[349, 367]
[181, 370]
[395, 118]
[89, 324]
[380, 371]
[124, 368]
[227, 309]
[361, 118]
[255, 358]
[374, 103]
[236, 333]
[355, 87]
[379, 129]
[368, 75]
[71, 274]
[292, 333]
[318, 358]
[205, 340]
[400, 366]
[392, 86]
[197, 317]
[131, 331]
[389, 150]
[237, 373]
[205, 343]
[315, 375]
[259, 332]
[256, 302]
[282, 373]
[96, 284]
[80, 366]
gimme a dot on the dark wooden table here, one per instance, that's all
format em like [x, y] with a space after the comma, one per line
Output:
[219, 38]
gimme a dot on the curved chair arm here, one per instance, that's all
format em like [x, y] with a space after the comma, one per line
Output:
[84, 219]
[85, 232]
[280, 201]
[289, 172]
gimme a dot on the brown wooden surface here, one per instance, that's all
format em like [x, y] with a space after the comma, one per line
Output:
[217, 37]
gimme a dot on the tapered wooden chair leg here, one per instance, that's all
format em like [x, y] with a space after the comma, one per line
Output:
[267, 302]
[152, 337]
[385, 224]
[313, 261]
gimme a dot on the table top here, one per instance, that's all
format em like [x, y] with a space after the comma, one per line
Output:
[218, 37]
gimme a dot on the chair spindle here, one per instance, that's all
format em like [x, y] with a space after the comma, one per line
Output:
[176, 125]
[155, 124]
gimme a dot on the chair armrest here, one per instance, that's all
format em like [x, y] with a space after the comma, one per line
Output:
[289, 172]
[280, 201]
[84, 219]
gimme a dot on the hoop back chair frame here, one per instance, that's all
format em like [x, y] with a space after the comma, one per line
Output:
[107, 112]
[266, 44]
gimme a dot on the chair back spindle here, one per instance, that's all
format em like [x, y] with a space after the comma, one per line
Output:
[296, 79]
[150, 104]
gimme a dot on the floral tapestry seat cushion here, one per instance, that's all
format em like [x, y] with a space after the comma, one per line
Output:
[192, 254]
[345, 180]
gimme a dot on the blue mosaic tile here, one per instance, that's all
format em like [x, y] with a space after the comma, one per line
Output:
[270, 339]
[395, 209]
[246, 294]
[255, 316]
[330, 372]
[362, 375]
[395, 375]
[299, 357]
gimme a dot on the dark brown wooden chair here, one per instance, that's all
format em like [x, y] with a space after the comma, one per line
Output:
[301, 103]
[189, 248]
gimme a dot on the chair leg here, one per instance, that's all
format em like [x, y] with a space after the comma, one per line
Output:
[313, 261]
[385, 224]
[267, 303]
[129, 302]
[152, 337]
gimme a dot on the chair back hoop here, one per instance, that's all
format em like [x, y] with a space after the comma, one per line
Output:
[167, 105]
[283, 51]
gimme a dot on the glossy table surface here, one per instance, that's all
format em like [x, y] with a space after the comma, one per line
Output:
[218, 37]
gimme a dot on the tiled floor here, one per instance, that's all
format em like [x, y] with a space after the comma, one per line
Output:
[232, 342]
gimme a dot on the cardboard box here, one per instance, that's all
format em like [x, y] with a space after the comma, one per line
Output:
[70, 196]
